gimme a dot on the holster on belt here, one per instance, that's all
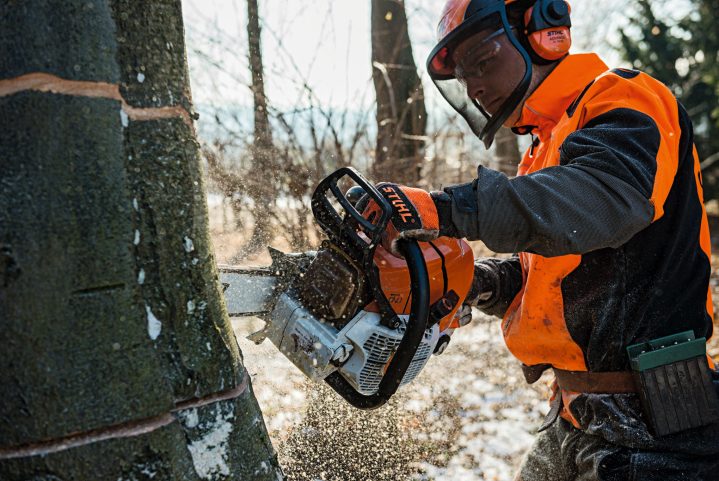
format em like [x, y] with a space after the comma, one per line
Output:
[670, 375]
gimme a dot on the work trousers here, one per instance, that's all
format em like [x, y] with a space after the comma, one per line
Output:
[565, 453]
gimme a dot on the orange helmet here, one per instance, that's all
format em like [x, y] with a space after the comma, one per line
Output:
[542, 38]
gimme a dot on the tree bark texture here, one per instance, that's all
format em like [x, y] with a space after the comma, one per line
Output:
[401, 114]
[262, 182]
[118, 360]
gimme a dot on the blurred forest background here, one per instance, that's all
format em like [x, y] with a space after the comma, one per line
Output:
[289, 90]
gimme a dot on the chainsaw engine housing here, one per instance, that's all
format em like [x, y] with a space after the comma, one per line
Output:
[360, 350]
[328, 321]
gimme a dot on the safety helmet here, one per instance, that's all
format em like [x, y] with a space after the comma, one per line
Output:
[542, 37]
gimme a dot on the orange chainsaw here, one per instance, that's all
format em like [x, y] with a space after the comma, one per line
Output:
[351, 313]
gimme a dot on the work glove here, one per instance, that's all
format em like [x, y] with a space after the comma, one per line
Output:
[417, 214]
[481, 292]
[484, 284]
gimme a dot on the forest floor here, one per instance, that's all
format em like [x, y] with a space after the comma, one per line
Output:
[468, 416]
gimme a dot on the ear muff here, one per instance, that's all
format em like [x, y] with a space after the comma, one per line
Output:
[547, 26]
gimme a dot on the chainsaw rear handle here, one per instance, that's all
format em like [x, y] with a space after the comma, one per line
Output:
[416, 326]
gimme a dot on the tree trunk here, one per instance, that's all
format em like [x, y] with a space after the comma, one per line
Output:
[261, 184]
[401, 114]
[506, 154]
[118, 360]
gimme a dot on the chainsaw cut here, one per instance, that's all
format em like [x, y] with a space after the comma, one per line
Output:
[351, 313]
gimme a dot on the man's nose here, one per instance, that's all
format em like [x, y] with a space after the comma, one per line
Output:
[475, 87]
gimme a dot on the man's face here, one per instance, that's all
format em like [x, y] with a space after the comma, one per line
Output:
[490, 68]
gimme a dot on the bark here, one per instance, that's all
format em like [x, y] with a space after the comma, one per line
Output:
[401, 114]
[118, 360]
[261, 184]
[506, 154]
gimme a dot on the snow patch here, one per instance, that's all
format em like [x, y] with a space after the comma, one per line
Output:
[190, 418]
[141, 277]
[134, 204]
[190, 306]
[209, 453]
[154, 326]
[188, 244]
[124, 119]
[137, 237]
[140, 77]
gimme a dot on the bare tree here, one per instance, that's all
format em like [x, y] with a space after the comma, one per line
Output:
[261, 184]
[506, 153]
[401, 114]
[118, 360]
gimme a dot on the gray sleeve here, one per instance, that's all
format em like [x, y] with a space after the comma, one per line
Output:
[598, 197]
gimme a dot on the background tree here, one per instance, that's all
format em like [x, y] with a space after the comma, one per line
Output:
[401, 114]
[684, 54]
[506, 152]
[261, 185]
[117, 360]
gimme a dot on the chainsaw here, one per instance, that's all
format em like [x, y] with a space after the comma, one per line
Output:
[353, 314]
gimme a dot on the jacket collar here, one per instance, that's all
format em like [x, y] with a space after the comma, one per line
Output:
[546, 105]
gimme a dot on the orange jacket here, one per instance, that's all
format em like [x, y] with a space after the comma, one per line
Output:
[606, 215]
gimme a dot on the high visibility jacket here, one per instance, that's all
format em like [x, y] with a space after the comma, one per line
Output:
[607, 218]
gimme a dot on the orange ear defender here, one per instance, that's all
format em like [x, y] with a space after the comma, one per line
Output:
[547, 26]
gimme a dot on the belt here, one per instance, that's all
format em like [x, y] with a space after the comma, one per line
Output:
[614, 382]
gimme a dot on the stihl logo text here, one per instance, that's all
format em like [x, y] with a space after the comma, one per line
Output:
[398, 204]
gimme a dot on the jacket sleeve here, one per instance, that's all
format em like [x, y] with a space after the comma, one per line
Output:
[495, 285]
[599, 195]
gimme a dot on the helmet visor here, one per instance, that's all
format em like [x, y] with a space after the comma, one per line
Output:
[483, 72]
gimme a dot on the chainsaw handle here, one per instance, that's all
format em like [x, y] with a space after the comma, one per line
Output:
[414, 332]
[343, 230]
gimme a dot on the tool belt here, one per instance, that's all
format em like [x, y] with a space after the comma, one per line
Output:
[670, 375]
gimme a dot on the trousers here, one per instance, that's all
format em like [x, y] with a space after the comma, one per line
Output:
[565, 453]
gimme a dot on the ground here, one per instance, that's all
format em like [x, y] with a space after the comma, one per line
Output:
[468, 416]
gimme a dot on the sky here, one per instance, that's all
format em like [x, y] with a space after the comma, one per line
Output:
[325, 44]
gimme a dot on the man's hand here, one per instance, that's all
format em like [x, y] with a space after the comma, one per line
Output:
[484, 284]
[417, 214]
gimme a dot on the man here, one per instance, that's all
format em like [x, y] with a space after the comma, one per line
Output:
[607, 218]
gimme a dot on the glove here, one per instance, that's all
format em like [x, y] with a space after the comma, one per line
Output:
[484, 285]
[463, 316]
[417, 214]
[481, 292]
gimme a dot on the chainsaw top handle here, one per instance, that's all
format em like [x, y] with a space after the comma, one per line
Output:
[343, 231]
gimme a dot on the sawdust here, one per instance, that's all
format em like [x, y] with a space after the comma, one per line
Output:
[335, 442]
[468, 415]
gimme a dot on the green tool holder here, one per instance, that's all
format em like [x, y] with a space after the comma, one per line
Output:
[675, 383]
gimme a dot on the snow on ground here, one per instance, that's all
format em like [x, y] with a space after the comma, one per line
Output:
[469, 415]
